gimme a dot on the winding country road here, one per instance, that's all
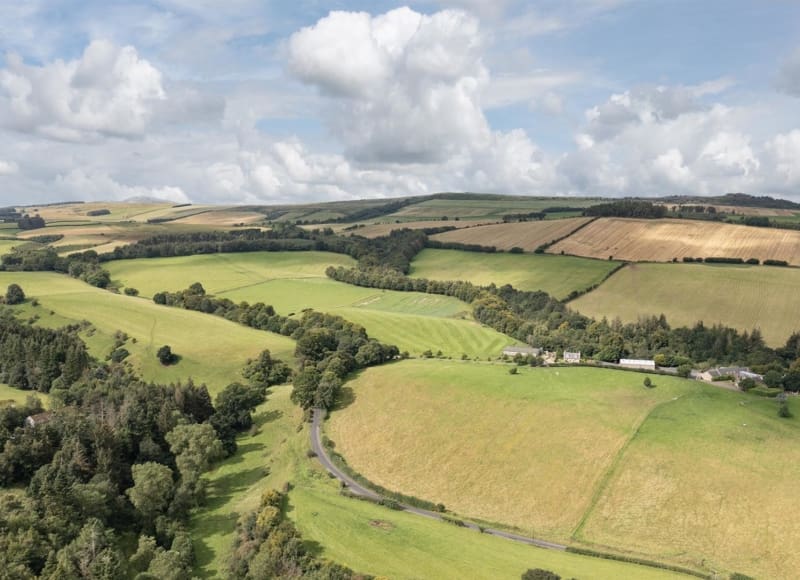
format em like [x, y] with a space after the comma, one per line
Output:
[358, 489]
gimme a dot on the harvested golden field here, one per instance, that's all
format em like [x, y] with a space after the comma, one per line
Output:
[377, 230]
[78, 211]
[662, 240]
[526, 235]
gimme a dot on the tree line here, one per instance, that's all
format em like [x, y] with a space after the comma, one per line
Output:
[328, 346]
[537, 318]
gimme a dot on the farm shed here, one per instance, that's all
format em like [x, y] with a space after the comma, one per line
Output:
[522, 350]
[572, 357]
[634, 363]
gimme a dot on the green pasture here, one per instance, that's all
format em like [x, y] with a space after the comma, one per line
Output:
[294, 281]
[366, 537]
[556, 275]
[212, 350]
[10, 395]
[683, 472]
[744, 297]
[486, 208]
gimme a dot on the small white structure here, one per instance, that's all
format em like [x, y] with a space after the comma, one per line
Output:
[737, 373]
[572, 357]
[522, 351]
[33, 421]
[635, 363]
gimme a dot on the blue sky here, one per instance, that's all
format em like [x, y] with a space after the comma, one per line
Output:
[247, 101]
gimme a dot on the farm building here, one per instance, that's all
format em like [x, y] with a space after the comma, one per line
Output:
[738, 373]
[572, 357]
[634, 363]
[522, 351]
[38, 419]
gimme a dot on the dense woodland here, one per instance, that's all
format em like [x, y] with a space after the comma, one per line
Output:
[119, 459]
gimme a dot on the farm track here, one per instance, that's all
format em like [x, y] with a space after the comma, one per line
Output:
[358, 489]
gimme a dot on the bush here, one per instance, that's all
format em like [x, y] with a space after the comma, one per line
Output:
[166, 356]
[15, 295]
[131, 292]
[753, 261]
[783, 410]
[513, 371]
[516, 250]
[648, 383]
[539, 574]
[747, 384]
[684, 371]
[783, 263]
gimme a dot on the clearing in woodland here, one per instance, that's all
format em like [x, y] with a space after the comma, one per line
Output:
[525, 235]
[368, 538]
[212, 350]
[556, 275]
[293, 281]
[642, 240]
[744, 297]
[540, 449]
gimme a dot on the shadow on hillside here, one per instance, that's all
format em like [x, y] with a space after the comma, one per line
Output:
[347, 397]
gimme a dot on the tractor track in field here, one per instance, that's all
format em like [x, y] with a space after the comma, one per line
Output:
[359, 489]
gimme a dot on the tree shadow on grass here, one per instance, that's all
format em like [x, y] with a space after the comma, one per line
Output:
[314, 548]
[270, 416]
[224, 488]
[347, 397]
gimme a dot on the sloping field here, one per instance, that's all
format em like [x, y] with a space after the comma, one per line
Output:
[12, 396]
[6, 245]
[77, 211]
[377, 230]
[744, 297]
[213, 350]
[224, 217]
[683, 472]
[369, 538]
[494, 207]
[662, 240]
[710, 476]
[525, 450]
[556, 275]
[293, 281]
[525, 235]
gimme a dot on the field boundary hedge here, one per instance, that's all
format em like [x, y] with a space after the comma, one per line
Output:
[544, 247]
[575, 294]
[635, 560]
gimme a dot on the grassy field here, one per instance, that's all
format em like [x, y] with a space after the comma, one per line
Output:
[711, 476]
[556, 275]
[525, 235]
[384, 229]
[6, 245]
[683, 472]
[293, 281]
[494, 207]
[452, 454]
[663, 240]
[12, 396]
[744, 297]
[213, 350]
[368, 538]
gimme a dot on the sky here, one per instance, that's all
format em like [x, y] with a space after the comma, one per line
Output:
[256, 101]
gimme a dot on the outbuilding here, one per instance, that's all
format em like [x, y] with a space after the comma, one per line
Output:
[635, 363]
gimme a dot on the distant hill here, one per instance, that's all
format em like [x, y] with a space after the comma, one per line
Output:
[738, 199]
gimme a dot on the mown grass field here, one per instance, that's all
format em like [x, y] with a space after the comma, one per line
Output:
[525, 235]
[744, 297]
[293, 281]
[711, 476]
[556, 275]
[213, 350]
[366, 537]
[683, 472]
[524, 450]
[662, 240]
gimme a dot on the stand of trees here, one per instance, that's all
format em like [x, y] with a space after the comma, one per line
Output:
[115, 456]
[27, 222]
[537, 318]
[627, 208]
[328, 347]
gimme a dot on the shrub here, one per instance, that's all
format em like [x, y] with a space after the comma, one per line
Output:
[119, 355]
[747, 384]
[513, 371]
[166, 356]
[516, 250]
[753, 261]
[539, 574]
[783, 263]
[783, 410]
[131, 292]
[648, 383]
[684, 371]
[15, 295]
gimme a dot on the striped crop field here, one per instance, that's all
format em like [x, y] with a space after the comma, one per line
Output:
[641, 240]
[525, 235]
